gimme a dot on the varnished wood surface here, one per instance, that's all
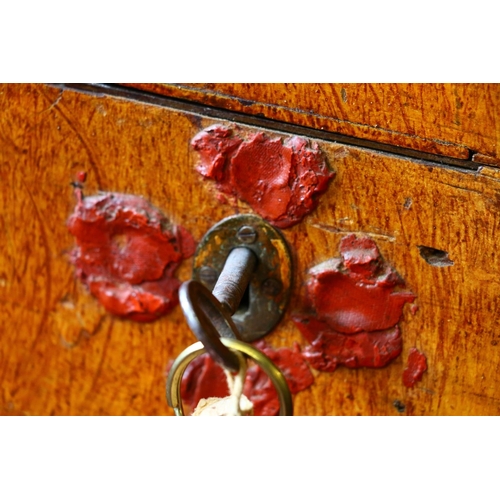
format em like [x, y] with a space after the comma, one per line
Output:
[456, 120]
[62, 354]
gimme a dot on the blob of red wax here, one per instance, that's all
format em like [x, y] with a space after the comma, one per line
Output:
[281, 181]
[126, 253]
[353, 304]
[329, 348]
[417, 365]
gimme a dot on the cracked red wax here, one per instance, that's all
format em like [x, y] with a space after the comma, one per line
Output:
[127, 253]
[204, 378]
[280, 180]
[417, 365]
[329, 348]
[353, 304]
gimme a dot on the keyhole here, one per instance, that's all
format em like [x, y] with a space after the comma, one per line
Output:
[245, 302]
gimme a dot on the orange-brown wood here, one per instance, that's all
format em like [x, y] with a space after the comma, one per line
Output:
[448, 119]
[62, 354]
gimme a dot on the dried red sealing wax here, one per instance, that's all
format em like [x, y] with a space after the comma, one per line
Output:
[215, 144]
[81, 176]
[203, 378]
[329, 348]
[353, 304]
[126, 253]
[357, 292]
[259, 388]
[417, 364]
[280, 181]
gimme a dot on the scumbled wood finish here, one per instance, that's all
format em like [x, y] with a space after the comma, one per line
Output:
[457, 120]
[62, 354]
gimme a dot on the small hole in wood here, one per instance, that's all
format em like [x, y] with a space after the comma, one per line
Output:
[435, 257]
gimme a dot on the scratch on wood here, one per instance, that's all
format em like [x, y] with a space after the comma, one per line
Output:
[56, 102]
[461, 188]
[334, 229]
[483, 396]
[428, 391]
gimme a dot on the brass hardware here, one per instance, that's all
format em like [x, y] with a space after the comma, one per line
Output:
[247, 264]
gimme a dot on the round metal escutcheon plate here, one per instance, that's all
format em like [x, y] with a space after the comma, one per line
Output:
[268, 292]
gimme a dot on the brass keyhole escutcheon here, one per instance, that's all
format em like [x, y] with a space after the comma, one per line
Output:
[263, 303]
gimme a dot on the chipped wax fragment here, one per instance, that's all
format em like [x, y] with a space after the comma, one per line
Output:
[258, 386]
[417, 365]
[202, 379]
[81, 176]
[214, 144]
[329, 349]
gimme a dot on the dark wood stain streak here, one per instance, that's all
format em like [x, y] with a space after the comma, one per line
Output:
[17, 303]
[338, 103]
[403, 113]
[15, 272]
[83, 333]
[5, 139]
[93, 163]
[97, 372]
[47, 265]
[484, 396]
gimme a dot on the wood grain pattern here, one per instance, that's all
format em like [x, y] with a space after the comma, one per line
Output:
[62, 354]
[448, 119]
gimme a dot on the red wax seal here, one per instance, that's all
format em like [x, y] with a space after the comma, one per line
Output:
[126, 253]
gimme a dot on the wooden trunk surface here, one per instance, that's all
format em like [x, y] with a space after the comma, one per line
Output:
[61, 353]
[455, 120]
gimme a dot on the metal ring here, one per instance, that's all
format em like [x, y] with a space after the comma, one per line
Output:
[193, 351]
[209, 322]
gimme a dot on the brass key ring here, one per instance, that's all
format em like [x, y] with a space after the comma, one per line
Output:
[195, 350]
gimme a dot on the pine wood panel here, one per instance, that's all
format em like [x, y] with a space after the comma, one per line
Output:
[454, 120]
[62, 354]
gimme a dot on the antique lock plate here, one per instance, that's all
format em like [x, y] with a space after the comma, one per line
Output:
[268, 292]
